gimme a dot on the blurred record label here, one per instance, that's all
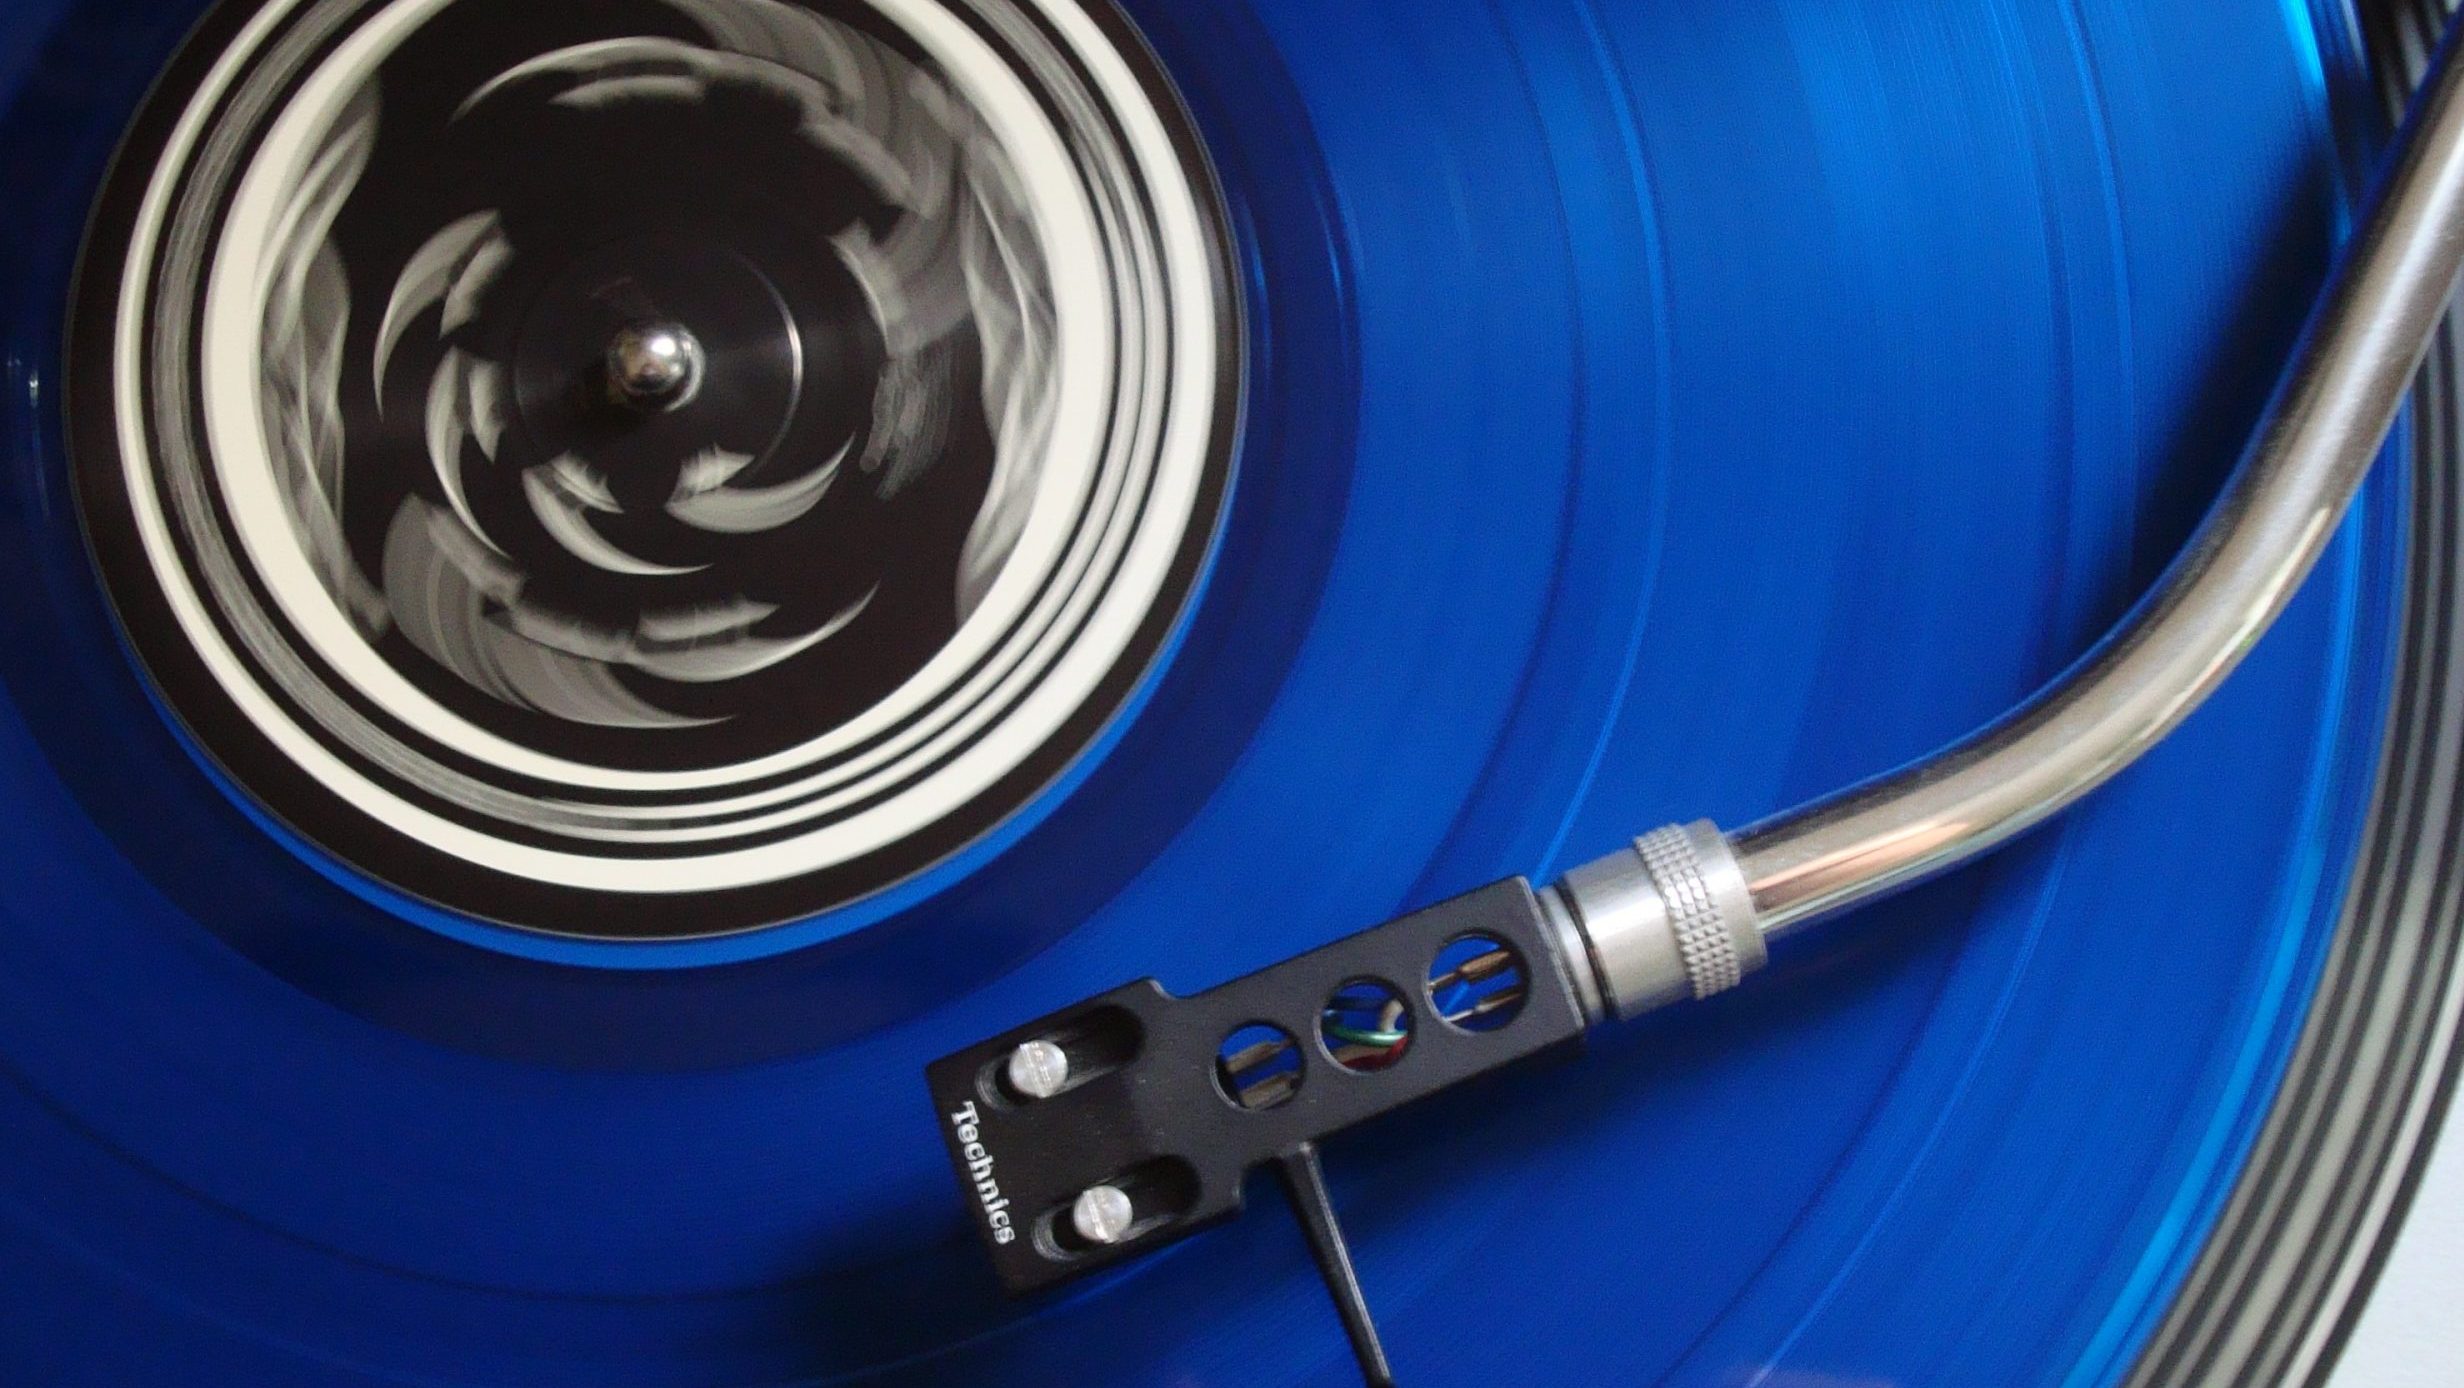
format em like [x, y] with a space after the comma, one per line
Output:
[653, 468]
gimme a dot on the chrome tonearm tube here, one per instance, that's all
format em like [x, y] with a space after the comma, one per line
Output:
[1686, 911]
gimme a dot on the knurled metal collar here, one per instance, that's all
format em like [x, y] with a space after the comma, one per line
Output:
[1667, 919]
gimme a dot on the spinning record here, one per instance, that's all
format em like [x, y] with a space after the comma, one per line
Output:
[590, 584]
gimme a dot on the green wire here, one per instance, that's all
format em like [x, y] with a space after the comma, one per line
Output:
[1364, 1038]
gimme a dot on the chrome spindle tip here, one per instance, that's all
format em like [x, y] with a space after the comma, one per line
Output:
[654, 365]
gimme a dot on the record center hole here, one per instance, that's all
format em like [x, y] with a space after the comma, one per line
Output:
[1258, 1066]
[1477, 983]
[1366, 1025]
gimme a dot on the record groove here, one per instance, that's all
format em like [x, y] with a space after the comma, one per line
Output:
[2296, 1252]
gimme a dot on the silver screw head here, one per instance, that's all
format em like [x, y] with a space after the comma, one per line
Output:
[654, 364]
[1101, 1214]
[1038, 1069]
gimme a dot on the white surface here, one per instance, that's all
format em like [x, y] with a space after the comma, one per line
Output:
[2411, 1333]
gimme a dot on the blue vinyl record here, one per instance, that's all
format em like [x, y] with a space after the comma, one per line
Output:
[1560, 417]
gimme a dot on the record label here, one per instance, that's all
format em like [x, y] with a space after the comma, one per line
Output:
[661, 468]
